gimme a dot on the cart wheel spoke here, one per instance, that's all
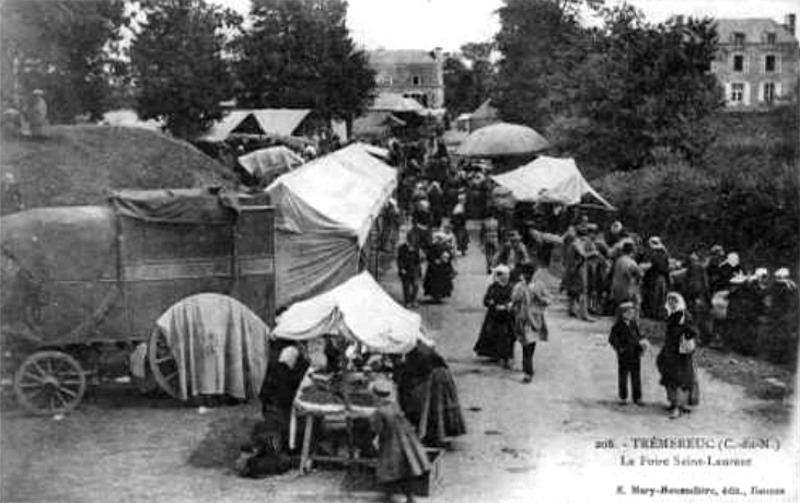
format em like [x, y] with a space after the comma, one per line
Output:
[163, 365]
[62, 389]
[50, 381]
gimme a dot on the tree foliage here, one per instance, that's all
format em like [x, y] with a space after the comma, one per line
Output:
[610, 95]
[299, 53]
[541, 42]
[178, 64]
[468, 77]
[644, 88]
[62, 47]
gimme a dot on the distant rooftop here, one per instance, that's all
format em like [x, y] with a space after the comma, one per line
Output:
[753, 29]
[401, 56]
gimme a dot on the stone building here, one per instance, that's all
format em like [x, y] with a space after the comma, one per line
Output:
[413, 73]
[757, 62]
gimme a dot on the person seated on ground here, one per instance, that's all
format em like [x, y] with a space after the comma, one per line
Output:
[263, 455]
[401, 456]
[428, 395]
[280, 387]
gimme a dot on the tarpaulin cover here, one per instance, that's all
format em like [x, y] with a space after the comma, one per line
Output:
[340, 193]
[548, 179]
[324, 211]
[268, 163]
[196, 206]
[358, 309]
[220, 346]
[48, 256]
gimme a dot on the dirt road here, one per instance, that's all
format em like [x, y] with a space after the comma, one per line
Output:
[561, 438]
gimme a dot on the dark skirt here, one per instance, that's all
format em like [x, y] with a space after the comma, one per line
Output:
[434, 401]
[401, 455]
[439, 280]
[676, 369]
[496, 339]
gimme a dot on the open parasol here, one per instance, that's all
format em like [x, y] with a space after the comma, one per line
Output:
[502, 139]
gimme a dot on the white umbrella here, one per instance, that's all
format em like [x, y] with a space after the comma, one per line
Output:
[501, 139]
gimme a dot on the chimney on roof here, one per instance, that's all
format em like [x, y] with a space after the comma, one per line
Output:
[790, 22]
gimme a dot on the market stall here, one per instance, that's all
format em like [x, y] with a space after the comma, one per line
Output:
[361, 315]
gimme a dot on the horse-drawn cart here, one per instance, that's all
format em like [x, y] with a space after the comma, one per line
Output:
[82, 284]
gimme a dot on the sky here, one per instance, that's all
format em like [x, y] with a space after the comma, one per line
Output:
[426, 24]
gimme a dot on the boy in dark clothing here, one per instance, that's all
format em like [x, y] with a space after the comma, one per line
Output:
[627, 341]
[409, 268]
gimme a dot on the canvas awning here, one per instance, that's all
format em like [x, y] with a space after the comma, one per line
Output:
[324, 212]
[261, 121]
[340, 193]
[358, 309]
[549, 179]
[268, 163]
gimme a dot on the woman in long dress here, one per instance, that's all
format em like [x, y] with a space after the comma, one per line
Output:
[496, 339]
[428, 395]
[677, 368]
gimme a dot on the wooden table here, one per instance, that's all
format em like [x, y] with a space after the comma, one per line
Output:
[330, 411]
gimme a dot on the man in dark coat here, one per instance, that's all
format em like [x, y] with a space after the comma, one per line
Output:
[629, 344]
[409, 268]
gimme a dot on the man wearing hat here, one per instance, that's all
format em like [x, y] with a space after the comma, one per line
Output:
[575, 280]
[629, 344]
[513, 254]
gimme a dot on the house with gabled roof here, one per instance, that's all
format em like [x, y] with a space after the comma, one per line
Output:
[413, 74]
[757, 61]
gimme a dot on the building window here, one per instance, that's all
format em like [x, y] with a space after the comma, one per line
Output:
[769, 92]
[770, 39]
[416, 80]
[738, 62]
[769, 63]
[738, 38]
[737, 93]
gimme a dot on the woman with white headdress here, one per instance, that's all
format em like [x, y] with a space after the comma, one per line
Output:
[675, 362]
[496, 339]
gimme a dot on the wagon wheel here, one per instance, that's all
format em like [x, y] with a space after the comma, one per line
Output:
[163, 364]
[50, 382]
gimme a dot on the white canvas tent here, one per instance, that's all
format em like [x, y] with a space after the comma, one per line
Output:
[548, 179]
[324, 212]
[359, 310]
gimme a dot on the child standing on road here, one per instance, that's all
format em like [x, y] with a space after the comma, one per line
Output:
[627, 341]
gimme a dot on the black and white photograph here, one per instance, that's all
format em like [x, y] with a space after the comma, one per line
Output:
[445, 251]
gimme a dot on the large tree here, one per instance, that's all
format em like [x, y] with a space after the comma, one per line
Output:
[540, 43]
[63, 47]
[179, 69]
[469, 77]
[643, 89]
[299, 53]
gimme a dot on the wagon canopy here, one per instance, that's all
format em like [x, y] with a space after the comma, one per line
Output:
[550, 180]
[324, 212]
[219, 345]
[358, 309]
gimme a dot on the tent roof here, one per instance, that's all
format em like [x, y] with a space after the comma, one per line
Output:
[339, 193]
[394, 102]
[485, 111]
[266, 161]
[277, 121]
[358, 309]
[548, 179]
